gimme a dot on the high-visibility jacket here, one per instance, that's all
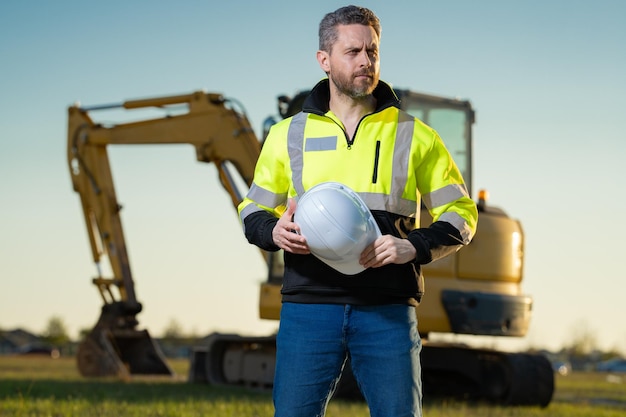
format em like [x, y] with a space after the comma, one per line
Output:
[394, 162]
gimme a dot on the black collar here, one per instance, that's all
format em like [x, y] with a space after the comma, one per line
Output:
[317, 102]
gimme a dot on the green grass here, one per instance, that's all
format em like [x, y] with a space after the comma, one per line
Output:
[38, 386]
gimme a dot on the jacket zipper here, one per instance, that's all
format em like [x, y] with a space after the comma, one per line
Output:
[376, 154]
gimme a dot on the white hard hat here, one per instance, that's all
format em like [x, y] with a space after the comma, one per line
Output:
[337, 225]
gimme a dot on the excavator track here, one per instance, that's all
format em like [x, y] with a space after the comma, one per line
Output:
[487, 375]
[230, 359]
[462, 373]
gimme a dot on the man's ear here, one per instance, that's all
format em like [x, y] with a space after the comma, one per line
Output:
[324, 60]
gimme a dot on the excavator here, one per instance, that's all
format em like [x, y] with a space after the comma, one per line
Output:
[477, 291]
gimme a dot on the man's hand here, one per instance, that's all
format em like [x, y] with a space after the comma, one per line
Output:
[386, 250]
[286, 233]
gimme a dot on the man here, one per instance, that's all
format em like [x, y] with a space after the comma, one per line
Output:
[351, 131]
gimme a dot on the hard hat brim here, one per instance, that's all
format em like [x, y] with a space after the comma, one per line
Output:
[352, 266]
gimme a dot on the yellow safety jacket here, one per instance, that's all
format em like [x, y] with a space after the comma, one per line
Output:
[394, 162]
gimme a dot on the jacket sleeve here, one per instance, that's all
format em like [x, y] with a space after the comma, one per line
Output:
[258, 228]
[445, 195]
[266, 200]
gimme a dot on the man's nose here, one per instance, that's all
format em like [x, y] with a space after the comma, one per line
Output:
[366, 60]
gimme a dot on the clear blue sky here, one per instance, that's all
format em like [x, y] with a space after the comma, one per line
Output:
[547, 78]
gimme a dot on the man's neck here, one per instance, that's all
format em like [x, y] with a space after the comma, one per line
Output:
[350, 110]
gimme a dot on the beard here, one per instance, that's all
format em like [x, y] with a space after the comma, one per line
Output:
[354, 88]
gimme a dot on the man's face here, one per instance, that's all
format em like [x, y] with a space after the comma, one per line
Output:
[353, 64]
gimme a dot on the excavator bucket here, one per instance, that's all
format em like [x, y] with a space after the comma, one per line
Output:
[115, 349]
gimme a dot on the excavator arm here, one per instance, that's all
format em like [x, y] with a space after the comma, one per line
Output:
[220, 135]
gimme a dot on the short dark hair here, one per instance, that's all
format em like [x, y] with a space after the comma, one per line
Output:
[348, 15]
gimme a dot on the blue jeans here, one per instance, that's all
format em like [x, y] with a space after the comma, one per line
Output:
[314, 341]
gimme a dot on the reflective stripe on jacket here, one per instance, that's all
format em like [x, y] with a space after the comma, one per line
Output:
[394, 162]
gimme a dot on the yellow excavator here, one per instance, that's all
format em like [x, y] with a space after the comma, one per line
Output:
[477, 291]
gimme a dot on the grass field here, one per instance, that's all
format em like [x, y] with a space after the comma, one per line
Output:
[39, 386]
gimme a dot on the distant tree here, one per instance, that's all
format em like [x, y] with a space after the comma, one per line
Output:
[584, 340]
[83, 333]
[56, 332]
[173, 330]
[614, 352]
[193, 334]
